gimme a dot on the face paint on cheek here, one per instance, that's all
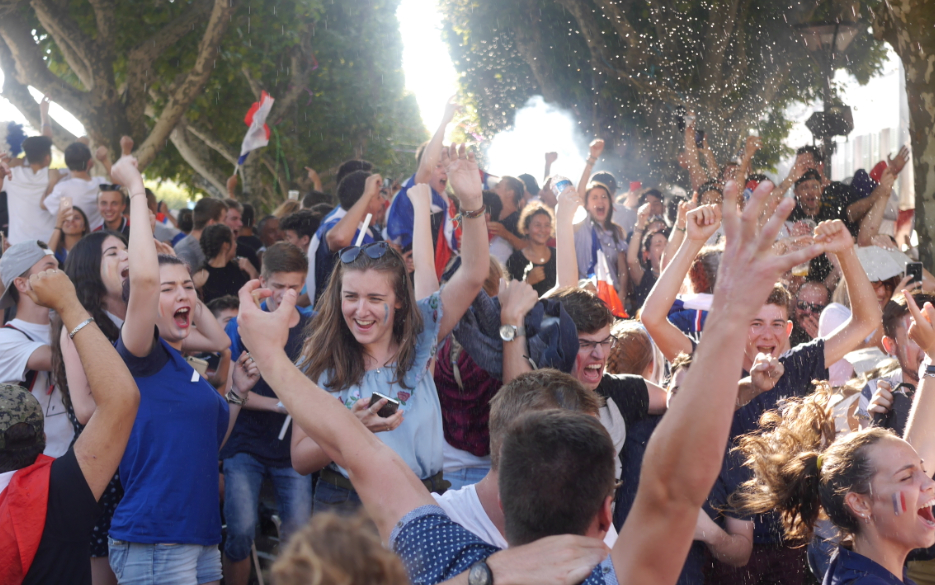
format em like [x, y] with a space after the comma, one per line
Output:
[899, 503]
[386, 313]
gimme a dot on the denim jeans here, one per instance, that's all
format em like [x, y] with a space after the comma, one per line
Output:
[331, 498]
[164, 564]
[465, 476]
[243, 476]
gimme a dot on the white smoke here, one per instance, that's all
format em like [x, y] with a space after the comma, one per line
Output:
[538, 128]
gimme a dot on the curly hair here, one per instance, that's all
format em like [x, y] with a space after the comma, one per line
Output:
[338, 550]
[531, 211]
[787, 476]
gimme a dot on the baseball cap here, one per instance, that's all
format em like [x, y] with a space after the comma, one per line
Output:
[18, 405]
[17, 260]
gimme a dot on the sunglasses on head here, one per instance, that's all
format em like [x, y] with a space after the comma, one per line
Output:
[373, 251]
[107, 187]
[809, 307]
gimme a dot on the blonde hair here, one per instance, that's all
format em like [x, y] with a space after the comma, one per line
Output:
[338, 550]
[286, 207]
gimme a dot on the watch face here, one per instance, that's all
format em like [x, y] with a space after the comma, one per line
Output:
[507, 332]
[478, 575]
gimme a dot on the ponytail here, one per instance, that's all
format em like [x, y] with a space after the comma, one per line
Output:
[799, 469]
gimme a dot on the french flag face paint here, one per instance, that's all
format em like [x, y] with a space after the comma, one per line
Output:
[899, 503]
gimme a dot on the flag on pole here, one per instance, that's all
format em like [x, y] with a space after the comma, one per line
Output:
[605, 287]
[257, 131]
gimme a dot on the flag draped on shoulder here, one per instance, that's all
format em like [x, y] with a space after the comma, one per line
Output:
[257, 130]
[605, 287]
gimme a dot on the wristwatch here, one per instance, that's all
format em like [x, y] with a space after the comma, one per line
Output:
[928, 371]
[480, 574]
[233, 398]
[511, 332]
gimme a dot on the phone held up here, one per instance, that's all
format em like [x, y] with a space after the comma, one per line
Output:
[914, 272]
[389, 409]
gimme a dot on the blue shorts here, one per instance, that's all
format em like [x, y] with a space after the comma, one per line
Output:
[164, 564]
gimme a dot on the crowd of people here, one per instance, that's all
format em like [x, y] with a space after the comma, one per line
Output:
[453, 379]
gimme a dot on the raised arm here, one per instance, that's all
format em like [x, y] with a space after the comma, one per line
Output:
[684, 455]
[866, 314]
[44, 118]
[432, 155]
[696, 172]
[920, 432]
[314, 178]
[550, 157]
[138, 329]
[385, 484]
[594, 150]
[566, 261]
[463, 287]
[636, 243]
[100, 447]
[678, 233]
[102, 155]
[423, 253]
[751, 146]
[701, 223]
[342, 234]
[516, 300]
[873, 217]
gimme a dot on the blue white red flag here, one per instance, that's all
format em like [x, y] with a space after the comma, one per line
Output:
[257, 131]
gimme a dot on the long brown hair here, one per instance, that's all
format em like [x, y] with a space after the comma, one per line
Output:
[796, 474]
[331, 347]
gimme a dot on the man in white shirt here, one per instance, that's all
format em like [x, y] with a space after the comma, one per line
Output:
[80, 185]
[25, 354]
[25, 188]
[477, 507]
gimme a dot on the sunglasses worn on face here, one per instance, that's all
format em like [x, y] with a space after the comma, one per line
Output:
[373, 251]
[809, 307]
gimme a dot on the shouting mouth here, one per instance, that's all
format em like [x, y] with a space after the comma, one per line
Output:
[182, 318]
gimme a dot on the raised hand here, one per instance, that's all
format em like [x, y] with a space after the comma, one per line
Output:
[766, 371]
[834, 236]
[52, 289]
[126, 145]
[246, 374]
[101, 153]
[567, 202]
[882, 400]
[44, 104]
[683, 209]
[312, 174]
[897, 164]
[463, 175]
[516, 299]
[642, 215]
[702, 222]
[126, 173]
[452, 107]
[551, 157]
[263, 331]
[922, 328]
[420, 194]
[753, 144]
[232, 184]
[749, 263]
[596, 147]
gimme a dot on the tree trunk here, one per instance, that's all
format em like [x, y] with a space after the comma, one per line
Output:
[907, 26]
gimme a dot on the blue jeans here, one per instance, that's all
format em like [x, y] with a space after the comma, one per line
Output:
[243, 476]
[164, 564]
[331, 498]
[465, 476]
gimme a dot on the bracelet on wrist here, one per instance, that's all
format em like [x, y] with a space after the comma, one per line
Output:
[82, 325]
[681, 229]
[475, 213]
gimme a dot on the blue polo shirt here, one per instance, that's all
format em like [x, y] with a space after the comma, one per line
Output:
[850, 568]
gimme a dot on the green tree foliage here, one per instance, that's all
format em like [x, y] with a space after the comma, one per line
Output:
[179, 76]
[623, 66]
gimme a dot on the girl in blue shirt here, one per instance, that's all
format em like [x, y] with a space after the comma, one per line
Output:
[167, 526]
[371, 334]
[871, 485]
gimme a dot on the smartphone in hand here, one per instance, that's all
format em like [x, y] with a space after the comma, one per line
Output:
[914, 272]
[389, 409]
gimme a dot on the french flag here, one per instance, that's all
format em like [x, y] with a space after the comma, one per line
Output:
[257, 131]
[605, 287]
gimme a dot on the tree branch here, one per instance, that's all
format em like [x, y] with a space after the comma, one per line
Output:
[142, 56]
[254, 84]
[78, 50]
[32, 67]
[185, 93]
[18, 95]
[216, 145]
[197, 158]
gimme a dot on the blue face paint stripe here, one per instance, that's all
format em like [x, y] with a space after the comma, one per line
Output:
[386, 313]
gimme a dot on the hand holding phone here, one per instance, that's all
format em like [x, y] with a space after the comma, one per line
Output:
[914, 272]
[67, 202]
[389, 409]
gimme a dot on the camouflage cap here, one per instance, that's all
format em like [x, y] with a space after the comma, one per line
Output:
[18, 405]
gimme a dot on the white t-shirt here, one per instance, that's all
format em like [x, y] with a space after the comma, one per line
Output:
[500, 249]
[24, 192]
[83, 194]
[456, 459]
[616, 426]
[15, 350]
[464, 508]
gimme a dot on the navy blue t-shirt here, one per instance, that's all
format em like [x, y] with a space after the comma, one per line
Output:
[256, 432]
[803, 364]
[169, 470]
[850, 568]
